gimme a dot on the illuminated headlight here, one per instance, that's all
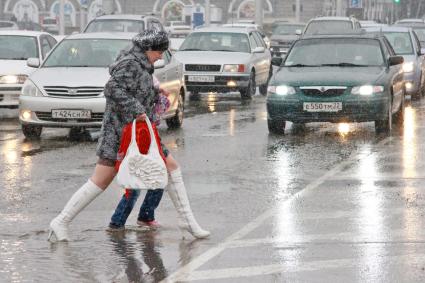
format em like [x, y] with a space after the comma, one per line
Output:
[13, 79]
[408, 67]
[367, 89]
[234, 68]
[281, 90]
[30, 89]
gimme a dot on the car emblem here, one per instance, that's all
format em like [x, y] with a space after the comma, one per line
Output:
[72, 91]
[322, 89]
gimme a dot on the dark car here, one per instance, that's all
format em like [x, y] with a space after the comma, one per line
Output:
[283, 35]
[337, 78]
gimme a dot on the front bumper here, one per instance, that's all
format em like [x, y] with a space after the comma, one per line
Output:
[40, 109]
[9, 95]
[356, 109]
[222, 83]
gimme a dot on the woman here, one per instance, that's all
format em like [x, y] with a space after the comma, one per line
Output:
[129, 95]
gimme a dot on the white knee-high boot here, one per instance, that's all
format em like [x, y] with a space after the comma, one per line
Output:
[79, 200]
[177, 193]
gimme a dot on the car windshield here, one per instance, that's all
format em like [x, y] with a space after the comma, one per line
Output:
[115, 26]
[335, 52]
[328, 27]
[286, 29]
[15, 47]
[86, 52]
[216, 41]
[400, 41]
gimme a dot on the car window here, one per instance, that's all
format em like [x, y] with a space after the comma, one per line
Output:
[216, 41]
[328, 27]
[420, 32]
[52, 40]
[387, 49]
[400, 41]
[13, 47]
[86, 52]
[283, 29]
[253, 42]
[45, 46]
[259, 39]
[348, 51]
[115, 25]
[416, 40]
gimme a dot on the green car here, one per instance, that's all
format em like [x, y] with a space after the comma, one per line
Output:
[337, 78]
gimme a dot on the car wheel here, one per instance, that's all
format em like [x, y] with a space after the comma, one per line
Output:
[250, 90]
[276, 126]
[385, 125]
[32, 132]
[263, 88]
[194, 96]
[177, 121]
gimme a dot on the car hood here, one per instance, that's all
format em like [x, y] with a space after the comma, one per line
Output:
[288, 38]
[212, 57]
[71, 77]
[15, 67]
[327, 76]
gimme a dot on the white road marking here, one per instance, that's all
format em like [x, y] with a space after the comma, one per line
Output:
[184, 272]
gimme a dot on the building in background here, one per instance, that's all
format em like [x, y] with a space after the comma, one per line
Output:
[78, 12]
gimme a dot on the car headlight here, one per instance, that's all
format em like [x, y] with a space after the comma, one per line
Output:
[30, 89]
[281, 90]
[408, 67]
[234, 68]
[13, 79]
[367, 89]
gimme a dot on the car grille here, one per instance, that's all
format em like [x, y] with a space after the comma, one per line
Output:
[63, 91]
[323, 90]
[285, 43]
[47, 116]
[202, 68]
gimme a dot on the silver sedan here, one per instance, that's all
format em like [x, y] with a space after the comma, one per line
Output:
[67, 90]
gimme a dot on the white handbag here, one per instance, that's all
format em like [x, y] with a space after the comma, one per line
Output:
[139, 171]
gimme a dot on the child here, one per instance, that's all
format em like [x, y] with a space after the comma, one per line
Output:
[146, 216]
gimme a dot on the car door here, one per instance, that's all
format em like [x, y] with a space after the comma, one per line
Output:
[396, 79]
[264, 59]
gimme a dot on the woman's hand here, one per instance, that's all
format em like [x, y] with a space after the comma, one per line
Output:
[141, 117]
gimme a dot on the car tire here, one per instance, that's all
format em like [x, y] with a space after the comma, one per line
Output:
[248, 92]
[263, 88]
[399, 116]
[194, 96]
[385, 125]
[32, 132]
[276, 126]
[177, 120]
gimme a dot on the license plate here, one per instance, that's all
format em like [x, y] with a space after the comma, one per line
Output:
[203, 79]
[71, 114]
[322, 106]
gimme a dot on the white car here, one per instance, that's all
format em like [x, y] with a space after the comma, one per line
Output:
[177, 29]
[225, 60]
[67, 90]
[15, 48]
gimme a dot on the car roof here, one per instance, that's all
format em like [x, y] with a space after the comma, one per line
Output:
[22, 32]
[124, 17]
[332, 19]
[387, 29]
[102, 35]
[358, 35]
[226, 29]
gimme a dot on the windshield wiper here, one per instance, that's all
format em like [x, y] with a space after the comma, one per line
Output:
[342, 64]
[224, 50]
[302, 65]
[17, 58]
[192, 49]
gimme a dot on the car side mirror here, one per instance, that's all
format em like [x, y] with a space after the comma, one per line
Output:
[159, 64]
[395, 60]
[277, 61]
[33, 62]
[259, 49]
[298, 32]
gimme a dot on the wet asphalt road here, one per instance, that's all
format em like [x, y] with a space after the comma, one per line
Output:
[324, 203]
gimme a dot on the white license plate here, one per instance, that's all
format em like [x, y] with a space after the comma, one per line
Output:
[322, 106]
[71, 114]
[203, 79]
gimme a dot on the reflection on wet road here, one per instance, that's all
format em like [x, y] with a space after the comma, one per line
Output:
[323, 202]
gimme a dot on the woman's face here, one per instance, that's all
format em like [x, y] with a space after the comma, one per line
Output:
[154, 56]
